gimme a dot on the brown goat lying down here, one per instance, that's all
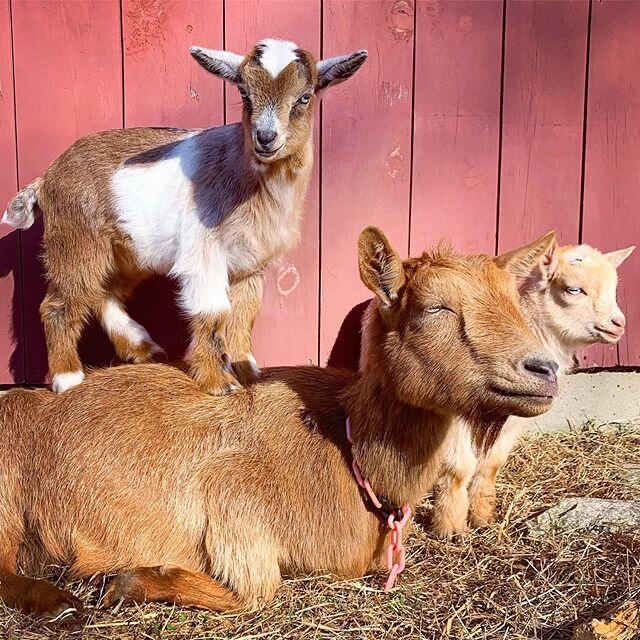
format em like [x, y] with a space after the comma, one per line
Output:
[207, 501]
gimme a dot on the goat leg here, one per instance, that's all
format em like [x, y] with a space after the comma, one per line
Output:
[173, 585]
[38, 598]
[246, 300]
[210, 366]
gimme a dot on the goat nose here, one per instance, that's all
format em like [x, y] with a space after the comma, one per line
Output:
[619, 320]
[542, 367]
[266, 136]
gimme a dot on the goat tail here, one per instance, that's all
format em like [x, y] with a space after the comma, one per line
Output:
[21, 211]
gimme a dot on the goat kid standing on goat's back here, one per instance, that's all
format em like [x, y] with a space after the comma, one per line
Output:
[211, 208]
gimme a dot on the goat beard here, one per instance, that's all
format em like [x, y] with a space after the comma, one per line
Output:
[486, 432]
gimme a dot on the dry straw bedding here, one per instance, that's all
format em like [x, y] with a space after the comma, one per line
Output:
[495, 584]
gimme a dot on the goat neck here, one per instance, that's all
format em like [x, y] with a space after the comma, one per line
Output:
[394, 443]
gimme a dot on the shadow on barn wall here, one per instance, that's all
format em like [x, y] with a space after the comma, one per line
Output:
[345, 353]
[153, 305]
[10, 266]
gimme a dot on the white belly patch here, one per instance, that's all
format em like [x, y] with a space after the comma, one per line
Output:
[151, 203]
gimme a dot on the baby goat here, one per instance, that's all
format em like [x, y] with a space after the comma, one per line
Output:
[569, 302]
[209, 208]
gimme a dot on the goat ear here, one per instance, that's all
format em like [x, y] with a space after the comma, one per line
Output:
[616, 258]
[338, 69]
[540, 256]
[223, 64]
[381, 268]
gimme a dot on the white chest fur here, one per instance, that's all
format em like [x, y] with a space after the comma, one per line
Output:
[166, 213]
[265, 230]
[153, 202]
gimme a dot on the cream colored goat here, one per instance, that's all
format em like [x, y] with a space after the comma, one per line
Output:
[569, 302]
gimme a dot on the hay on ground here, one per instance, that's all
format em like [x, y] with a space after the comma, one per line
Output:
[497, 583]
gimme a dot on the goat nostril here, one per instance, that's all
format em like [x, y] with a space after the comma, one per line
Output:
[542, 367]
[266, 136]
[619, 321]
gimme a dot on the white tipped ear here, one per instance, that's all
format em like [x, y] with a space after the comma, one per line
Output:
[539, 259]
[340, 68]
[381, 268]
[223, 64]
[616, 258]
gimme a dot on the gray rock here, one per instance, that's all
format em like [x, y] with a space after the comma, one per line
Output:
[633, 473]
[592, 514]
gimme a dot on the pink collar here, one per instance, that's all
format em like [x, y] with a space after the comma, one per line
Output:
[393, 520]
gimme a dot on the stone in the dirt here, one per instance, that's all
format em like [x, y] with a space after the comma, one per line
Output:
[633, 473]
[593, 514]
[620, 623]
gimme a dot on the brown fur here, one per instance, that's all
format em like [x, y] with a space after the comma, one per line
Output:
[247, 206]
[564, 322]
[137, 471]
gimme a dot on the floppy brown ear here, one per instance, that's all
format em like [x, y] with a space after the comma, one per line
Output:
[381, 268]
[539, 258]
[616, 258]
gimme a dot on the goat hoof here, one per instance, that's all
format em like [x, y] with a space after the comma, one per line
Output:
[480, 521]
[52, 604]
[246, 370]
[137, 585]
[61, 382]
[482, 512]
[122, 587]
[158, 354]
[227, 385]
[148, 352]
[449, 532]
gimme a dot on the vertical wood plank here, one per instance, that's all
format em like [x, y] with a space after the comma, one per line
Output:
[366, 147]
[456, 124]
[286, 331]
[163, 84]
[68, 71]
[543, 109]
[11, 319]
[611, 216]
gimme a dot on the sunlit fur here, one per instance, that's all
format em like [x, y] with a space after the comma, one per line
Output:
[208, 501]
[564, 320]
[205, 207]
[278, 98]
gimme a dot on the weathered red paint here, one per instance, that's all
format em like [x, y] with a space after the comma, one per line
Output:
[11, 318]
[543, 106]
[68, 70]
[163, 85]
[456, 124]
[68, 60]
[366, 147]
[287, 327]
[611, 218]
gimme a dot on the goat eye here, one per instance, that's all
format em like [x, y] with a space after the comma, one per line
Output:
[305, 99]
[243, 94]
[575, 291]
[434, 310]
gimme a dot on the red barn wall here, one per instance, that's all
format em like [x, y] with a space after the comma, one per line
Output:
[486, 122]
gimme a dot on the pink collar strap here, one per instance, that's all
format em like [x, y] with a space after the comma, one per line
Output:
[395, 518]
